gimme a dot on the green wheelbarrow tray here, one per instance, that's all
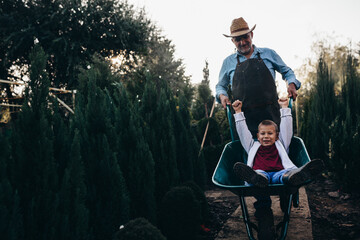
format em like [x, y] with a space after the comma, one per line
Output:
[234, 152]
[224, 177]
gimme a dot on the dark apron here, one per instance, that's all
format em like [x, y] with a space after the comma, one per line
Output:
[254, 85]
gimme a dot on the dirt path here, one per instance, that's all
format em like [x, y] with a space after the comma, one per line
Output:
[234, 227]
[327, 214]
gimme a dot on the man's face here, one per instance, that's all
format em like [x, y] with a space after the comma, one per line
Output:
[267, 135]
[243, 43]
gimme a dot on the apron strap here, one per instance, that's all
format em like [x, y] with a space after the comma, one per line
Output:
[257, 54]
[237, 58]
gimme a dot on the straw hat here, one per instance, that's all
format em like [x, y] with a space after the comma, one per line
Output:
[239, 27]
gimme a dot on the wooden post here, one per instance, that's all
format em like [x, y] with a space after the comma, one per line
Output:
[207, 127]
[62, 103]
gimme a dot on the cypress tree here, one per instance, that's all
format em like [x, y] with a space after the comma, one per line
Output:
[34, 170]
[345, 160]
[73, 223]
[158, 124]
[107, 197]
[15, 227]
[184, 148]
[124, 136]
[204, 100]
[351, 87]
[167, 144]
[62, 140]
[11, 219]
[191, 166]
[134, 157]
[330, 121]
[321, 112]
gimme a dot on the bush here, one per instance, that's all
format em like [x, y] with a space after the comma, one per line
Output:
[180, 214]
[201, 198]
[139, 229]
[212, 155]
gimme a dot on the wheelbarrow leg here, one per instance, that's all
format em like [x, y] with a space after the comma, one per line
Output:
[296, 199]
[248, 224]
[285, 223]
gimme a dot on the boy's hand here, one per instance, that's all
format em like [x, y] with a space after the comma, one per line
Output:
[237, 106]
[283, 102]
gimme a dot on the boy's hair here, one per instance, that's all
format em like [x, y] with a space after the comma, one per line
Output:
[269, 123]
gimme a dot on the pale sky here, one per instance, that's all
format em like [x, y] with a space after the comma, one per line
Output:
[289, 27]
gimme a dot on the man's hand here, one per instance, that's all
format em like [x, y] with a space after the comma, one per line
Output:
[292, 91]
[283, 102]
[237, 106]
[224, 100]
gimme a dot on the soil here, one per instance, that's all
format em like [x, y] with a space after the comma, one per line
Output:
[220, 210]
[334, 214]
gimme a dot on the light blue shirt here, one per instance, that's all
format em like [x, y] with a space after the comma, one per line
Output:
[271, 59]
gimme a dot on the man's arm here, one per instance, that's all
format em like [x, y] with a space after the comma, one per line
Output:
[221, 87]
[287, 74]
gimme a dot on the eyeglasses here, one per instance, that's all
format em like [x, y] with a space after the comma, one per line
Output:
[242, 37]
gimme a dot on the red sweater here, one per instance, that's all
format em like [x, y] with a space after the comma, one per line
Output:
[267, 159]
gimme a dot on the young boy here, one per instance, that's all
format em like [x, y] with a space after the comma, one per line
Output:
[268, 161]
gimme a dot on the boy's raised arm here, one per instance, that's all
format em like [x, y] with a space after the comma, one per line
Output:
[286, 125]
[243, 131]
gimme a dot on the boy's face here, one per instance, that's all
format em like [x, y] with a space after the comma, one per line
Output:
[267, 135]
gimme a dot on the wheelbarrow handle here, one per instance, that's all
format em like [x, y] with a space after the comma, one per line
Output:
[229, 116]
[290, 102]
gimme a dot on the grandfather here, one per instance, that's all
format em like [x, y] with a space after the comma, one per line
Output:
[251, 73]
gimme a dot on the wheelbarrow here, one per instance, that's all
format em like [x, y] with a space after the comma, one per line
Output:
[224, 177]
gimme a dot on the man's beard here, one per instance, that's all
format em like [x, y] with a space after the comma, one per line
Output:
[245, 50]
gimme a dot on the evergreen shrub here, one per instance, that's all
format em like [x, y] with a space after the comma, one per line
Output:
[200, 196]
[139, 229]
[180, 214]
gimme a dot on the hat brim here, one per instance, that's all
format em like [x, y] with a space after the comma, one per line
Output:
[239, 33]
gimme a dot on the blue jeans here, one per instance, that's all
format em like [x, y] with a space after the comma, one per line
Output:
[264, 201]
[274, 177]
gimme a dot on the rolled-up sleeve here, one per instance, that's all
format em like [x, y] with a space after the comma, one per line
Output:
[245, 136]
[286, 72]
[224, 81]
[286, 127]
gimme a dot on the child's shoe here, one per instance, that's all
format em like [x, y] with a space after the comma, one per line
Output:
[301, 175]
[246, 173]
